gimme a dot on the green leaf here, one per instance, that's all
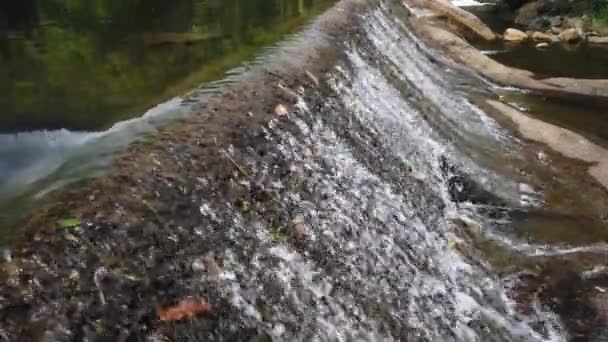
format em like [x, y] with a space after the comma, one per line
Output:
[68, 222]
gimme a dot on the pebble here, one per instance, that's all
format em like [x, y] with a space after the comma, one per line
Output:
[214, 272]
[280, 110]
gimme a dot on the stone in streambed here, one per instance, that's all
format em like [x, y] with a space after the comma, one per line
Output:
[458, 16]
[556, 30]
[598, 40]
[541, 37]
[555, 22]
[280, 110]
[570, 35]
[514, 35]
[543, 45]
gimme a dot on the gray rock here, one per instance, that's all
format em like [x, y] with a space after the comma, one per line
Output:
[538, 23]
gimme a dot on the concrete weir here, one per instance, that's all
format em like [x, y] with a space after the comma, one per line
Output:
[346, 189]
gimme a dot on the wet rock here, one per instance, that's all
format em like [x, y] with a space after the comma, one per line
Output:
[543, 45]
[541, 37]
[575, 298]
[461, 17]
[198, 265]
[298, 227]
[287, 94]
[514, 35]
[570, 35]
[556, 30]
[598, 40]
[538, 24]
[214, 272]
[299, 231]
[5, 255]
[555, 22]
[280, 110]
[529, 12]
[307, 152]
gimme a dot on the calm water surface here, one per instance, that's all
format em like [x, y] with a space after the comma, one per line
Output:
[73, 72]
[86, 64]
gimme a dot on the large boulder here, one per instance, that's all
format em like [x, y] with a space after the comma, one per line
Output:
[570, 35]
[459, 17]
[529, 12]
[514, 35]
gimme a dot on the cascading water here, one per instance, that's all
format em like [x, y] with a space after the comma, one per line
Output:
[380, 200]
[391, 171]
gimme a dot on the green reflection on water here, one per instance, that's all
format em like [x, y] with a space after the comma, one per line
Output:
[85, 64]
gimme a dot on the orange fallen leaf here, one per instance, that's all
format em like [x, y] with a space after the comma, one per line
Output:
[185, 308]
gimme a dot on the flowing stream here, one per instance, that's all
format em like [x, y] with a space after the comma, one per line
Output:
[429, 218]
[406, 171]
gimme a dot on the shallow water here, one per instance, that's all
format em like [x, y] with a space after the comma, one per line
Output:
[559, 60]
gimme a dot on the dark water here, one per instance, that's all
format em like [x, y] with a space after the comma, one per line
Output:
[584, 117]
[84, 65]
[559, 60]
